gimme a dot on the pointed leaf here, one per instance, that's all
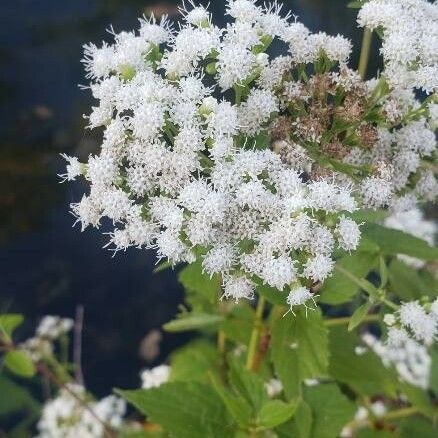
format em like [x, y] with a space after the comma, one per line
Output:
[184, 409]
[19, 363]
[192, 322]
[299, 349]
[276, 412]
[359, 315]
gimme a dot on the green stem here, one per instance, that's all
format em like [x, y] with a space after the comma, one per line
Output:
[389, 303]
[364, 52]
[252, 347]
[346, 320]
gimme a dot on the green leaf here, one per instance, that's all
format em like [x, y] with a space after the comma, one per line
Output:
[420, 399]
[396, 242]
[433, 380]
[301, 424]
[299, 349]
[192, 321]
[238, 323]
[417, 427]
[17, 399]
[331, 410]
[248, 384]
[273, 295]
[276, 412]
[184, 409]
[407, 283]
[338, 288]
[194, 280]
[365, 374]
[194, 361]
[357, 4]
[236, 406]
[19, 363]
[359, 315]
[383, 271]
[9, 322]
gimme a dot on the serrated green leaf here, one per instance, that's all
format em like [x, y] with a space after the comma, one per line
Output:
[276, 412]
[194, 361]
[339, 288]
[236, 406]
[396, 242]
[9, 322]
[365, 374]
[299, 349]
[193, 321]
[331, 410]
[184, 409]
[248, 384]
[19, 363]
[359, 315]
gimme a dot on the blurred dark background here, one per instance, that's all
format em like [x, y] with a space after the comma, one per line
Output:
[46, 266]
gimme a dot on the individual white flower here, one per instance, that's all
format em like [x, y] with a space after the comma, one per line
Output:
[319, 267]
[257, 109]
[299, 296]
[237, 288]
[348, 233]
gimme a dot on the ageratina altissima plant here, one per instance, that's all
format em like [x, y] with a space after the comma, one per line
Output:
[272, 176]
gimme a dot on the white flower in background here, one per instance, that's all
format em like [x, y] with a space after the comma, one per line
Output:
[413, 222]
[155, 377]
[410, 359]
[64, 416]
[52, 327]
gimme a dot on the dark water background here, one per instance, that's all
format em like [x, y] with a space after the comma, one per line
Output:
[46, 266]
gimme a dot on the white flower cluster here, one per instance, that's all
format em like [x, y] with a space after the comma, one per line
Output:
[181, 168]
[410, 40]
[155, 377]
[409, 358]
[66, 417]
[49, 330]
[413, 222]
[411, 330]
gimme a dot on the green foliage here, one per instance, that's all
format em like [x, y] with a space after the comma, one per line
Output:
[194, 361]
[192, 322]
[184, 409]
[8, 323]
[359, 315]
[275, 413]
[19, 363]
[364, 374]
[331, 410]
[392, 242]
[299, 349]
[339, 288]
